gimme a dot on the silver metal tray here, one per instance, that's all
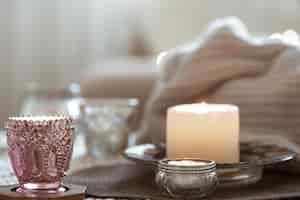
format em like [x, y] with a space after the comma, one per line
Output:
[254, 156]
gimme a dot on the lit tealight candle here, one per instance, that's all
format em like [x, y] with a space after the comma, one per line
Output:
[203, 131]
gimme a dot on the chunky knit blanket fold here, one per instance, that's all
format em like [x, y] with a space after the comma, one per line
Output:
[227, 65]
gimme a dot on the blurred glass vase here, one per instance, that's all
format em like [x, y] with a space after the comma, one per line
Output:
[106, 127]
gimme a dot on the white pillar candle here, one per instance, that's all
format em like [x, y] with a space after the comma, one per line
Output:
[203, 131]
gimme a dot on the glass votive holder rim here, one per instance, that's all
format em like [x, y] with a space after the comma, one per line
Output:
[197, 166]
[39, 121]
[96, 101]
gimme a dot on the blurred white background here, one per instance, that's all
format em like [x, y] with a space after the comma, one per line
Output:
[54, 42]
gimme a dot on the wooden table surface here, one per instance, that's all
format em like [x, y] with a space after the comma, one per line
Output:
[7, 177]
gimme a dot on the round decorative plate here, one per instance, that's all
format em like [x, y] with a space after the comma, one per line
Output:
[254, 156]
[253, 153]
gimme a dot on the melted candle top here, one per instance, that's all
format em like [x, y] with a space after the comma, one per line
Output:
[202, 108]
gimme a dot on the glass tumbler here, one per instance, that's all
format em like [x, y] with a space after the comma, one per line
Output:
[105, 121]
[40, 149]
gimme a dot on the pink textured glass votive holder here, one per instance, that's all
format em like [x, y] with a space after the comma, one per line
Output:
[40, 149]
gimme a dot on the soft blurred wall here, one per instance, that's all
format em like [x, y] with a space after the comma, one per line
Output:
[53, 42]
[175, 21]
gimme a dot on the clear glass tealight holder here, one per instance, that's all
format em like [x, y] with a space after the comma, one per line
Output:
[187, 178]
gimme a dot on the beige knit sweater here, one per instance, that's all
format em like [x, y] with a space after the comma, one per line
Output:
[227, 65]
